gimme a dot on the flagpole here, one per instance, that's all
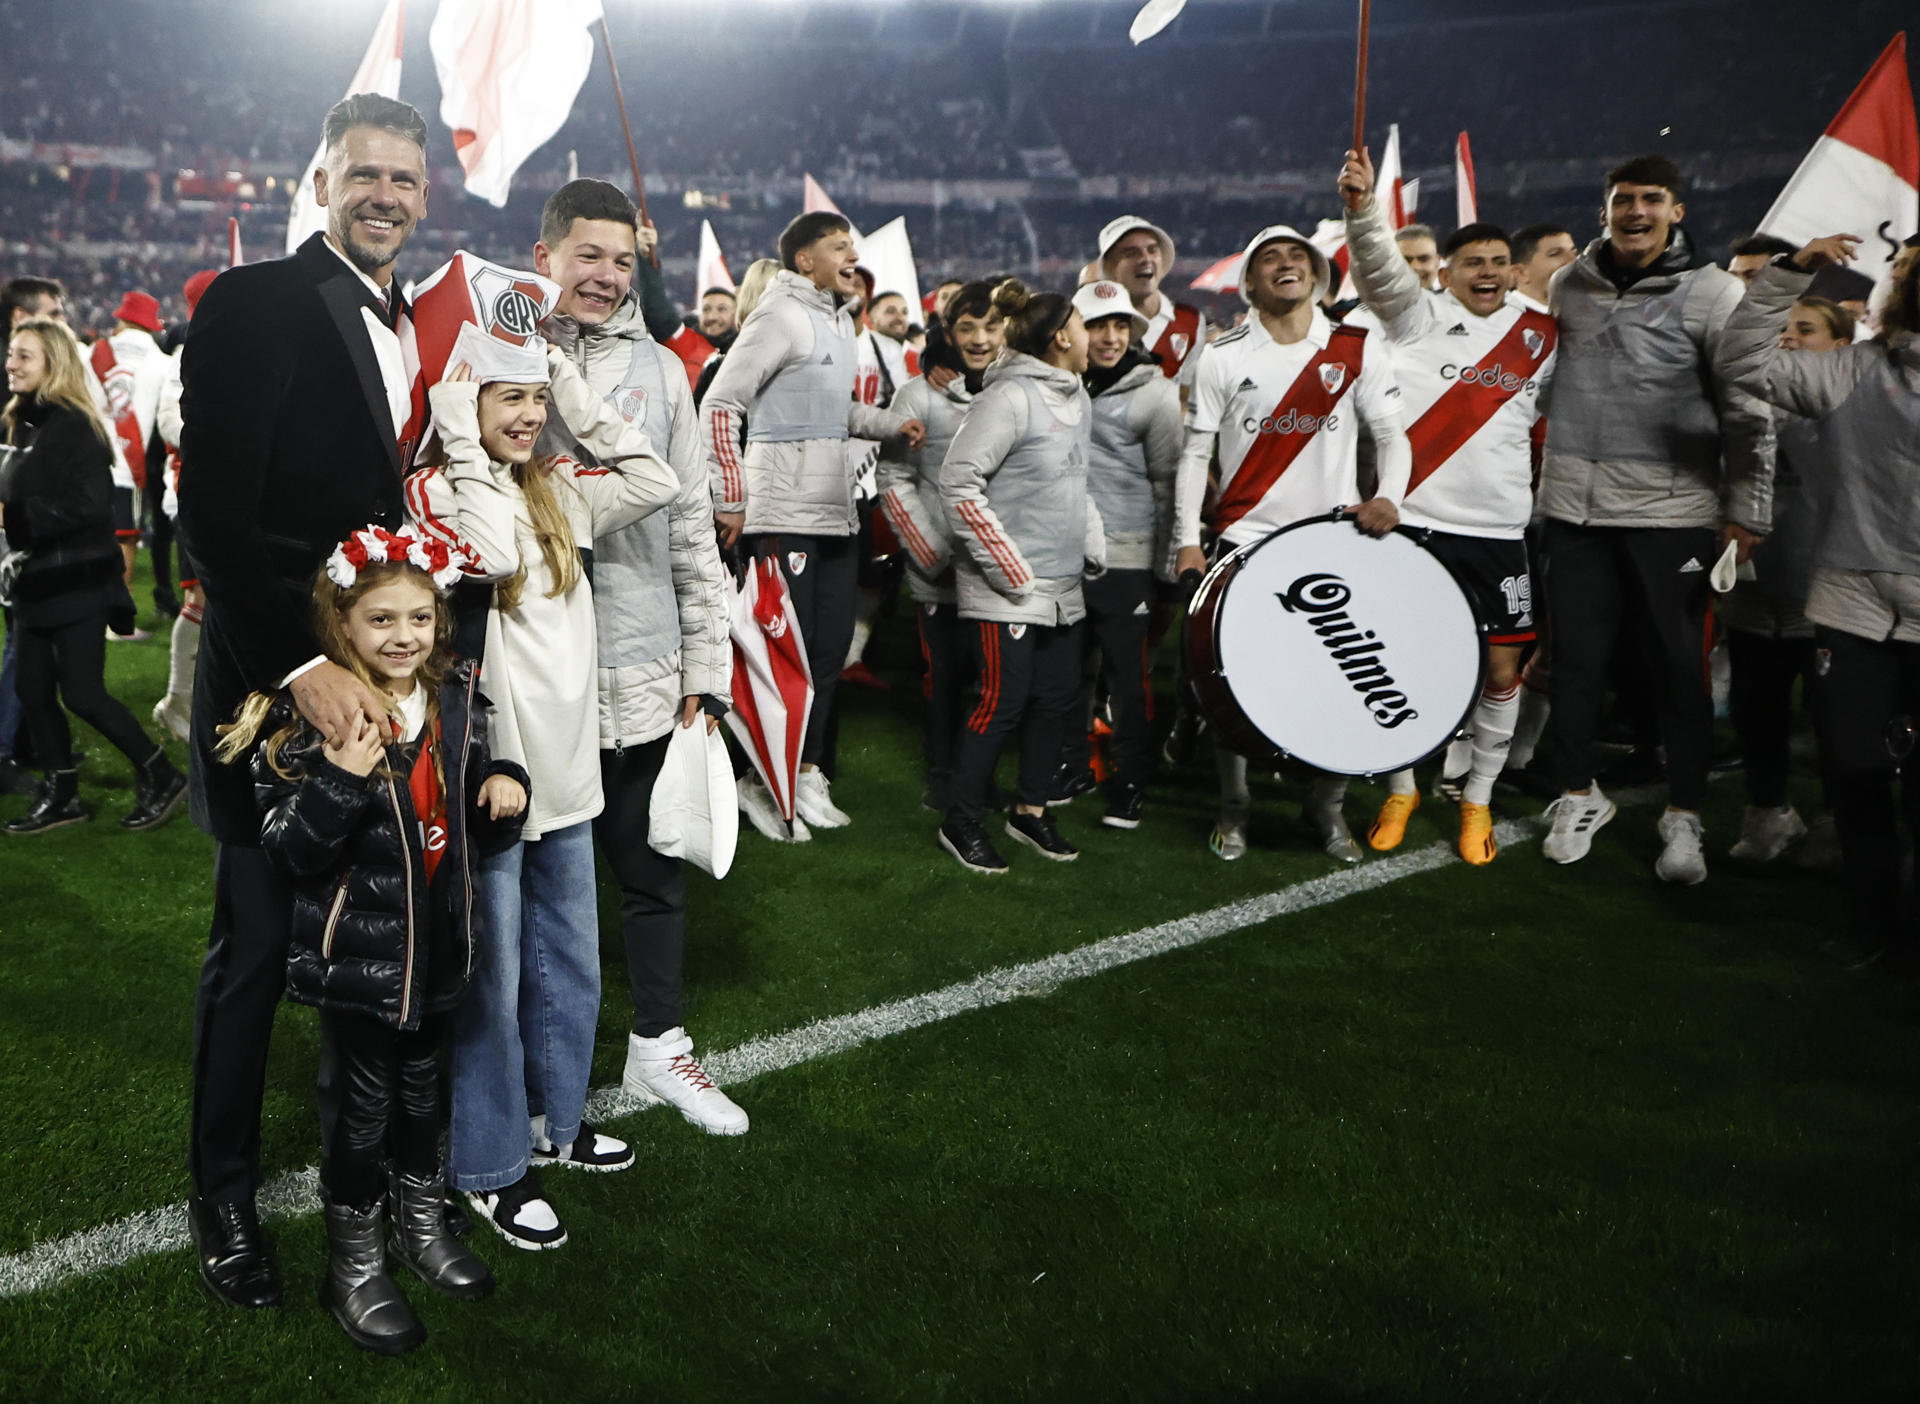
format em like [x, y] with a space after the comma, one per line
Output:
[1360, 79]
[633, 157]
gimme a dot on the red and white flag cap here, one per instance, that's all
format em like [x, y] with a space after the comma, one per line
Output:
[1102, 298]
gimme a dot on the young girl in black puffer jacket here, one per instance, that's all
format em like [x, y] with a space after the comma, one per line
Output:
[381, 832]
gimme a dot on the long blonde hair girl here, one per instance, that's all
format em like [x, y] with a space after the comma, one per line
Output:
[331, 606]
[66, 380]
[550, 528]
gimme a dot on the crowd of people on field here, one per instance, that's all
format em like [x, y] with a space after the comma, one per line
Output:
[459, 562]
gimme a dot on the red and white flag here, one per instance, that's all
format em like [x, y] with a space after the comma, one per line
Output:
[1396, 196]
[509, 72]
[1466, 199]
[712, 269]
[1863, 176]
[379, 72]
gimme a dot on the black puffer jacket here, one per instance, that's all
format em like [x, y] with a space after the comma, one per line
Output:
[59, 508]
[369, 936]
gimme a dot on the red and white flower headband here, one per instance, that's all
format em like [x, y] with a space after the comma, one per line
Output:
[375, 544]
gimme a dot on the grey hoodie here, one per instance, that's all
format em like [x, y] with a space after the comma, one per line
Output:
[660, 595]
[1641, 431]
[790, 377]
[1014, 490]
[1133, 459]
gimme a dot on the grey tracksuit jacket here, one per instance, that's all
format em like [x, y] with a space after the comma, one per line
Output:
[1641, 431]
[1013, 487]
[660, 595]
[790, 375]
[1866, 398]
[909, 485]
[1133, 457]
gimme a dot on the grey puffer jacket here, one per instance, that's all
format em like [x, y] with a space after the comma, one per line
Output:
[1866, 398]
[660, 596]
[790, 379]
[909, 484]
[1013, 487]
[1133, 459]
[1642, 431]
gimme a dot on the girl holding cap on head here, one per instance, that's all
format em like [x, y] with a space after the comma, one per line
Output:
[1014, 487]
[523, 1040]
[1133, 459]
[384, 927]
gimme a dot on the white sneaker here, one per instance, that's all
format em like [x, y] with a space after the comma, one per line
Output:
[1228, 840]
[1767, 833]
[813, 803]
[1575, 818]
[1684, 858]
[664, 1070]
[174, 713]
[757, 803]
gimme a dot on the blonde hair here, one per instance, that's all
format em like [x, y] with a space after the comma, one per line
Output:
[550, 528]
[331, 606]
[66, 379]
[753, 286]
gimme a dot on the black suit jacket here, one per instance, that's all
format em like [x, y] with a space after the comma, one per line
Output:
[287, 446]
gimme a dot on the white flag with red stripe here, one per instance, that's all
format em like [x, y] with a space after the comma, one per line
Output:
[509, 72]
[379, 72]
[1397, 196]
[712, 268]
[1465, 197]
[1863, 175]
[814, 197]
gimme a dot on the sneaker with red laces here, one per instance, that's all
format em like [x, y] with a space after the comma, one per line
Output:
[664, 1070]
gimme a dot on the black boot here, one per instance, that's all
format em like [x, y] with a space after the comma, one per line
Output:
[157, 791]
[423, 1241]
[236, 1256]
[357, 1290]
[58, 806]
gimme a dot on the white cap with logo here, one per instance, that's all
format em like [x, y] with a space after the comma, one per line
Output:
[1322, 271]
[1102, 298]
[1118, 229]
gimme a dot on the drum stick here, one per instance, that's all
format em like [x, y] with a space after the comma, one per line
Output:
[1360, 79]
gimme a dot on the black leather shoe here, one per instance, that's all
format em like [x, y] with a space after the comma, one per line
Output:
[57, 806]
[967, 841]
[1124, 805]
[1069, 784]
[159, 789]
[1040, 833]
[236, 1256]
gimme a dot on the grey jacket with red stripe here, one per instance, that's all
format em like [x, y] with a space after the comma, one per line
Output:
[1014, 490]
[909, 483]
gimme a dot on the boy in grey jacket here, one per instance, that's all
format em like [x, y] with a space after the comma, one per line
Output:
[789, 496]
[1648, 453]
[661, 616]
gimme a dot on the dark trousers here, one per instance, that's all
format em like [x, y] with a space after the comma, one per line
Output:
[240, 987]
[1760, 699]
[822, 576]
[943, 648]
[160, 534]
[1029, 677]
[68, 664]
[1870, 702]
[653, 889]
[379, 1103]
[1119, 612]
[1649, 587]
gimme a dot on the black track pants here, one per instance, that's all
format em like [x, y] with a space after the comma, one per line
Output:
[653, 888]
[1029, 678]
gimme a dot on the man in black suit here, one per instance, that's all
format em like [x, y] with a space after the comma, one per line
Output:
[294, 398]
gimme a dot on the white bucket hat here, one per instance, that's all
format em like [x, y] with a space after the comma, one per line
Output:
[695, 810]
[1118, 229]
[1102, 298]
[1322, 271]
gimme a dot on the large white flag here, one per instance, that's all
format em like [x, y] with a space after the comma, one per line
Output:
[509, 72]
[1863, 176]
[379, 72]
[888, 255]
[712, 268]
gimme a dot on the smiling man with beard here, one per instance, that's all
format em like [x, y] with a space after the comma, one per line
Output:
[296, 409]
[1649, 452]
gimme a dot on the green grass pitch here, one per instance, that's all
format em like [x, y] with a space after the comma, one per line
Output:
[1514, 1133]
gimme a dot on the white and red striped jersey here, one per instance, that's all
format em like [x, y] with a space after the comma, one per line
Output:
[1288, 419]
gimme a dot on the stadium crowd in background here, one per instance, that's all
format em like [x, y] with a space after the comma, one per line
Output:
[1594, 436]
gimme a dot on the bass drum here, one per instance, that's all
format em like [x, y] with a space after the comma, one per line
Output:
[1353, 654]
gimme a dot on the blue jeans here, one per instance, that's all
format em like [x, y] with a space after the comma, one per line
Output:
[525, 1029]
[9, 695]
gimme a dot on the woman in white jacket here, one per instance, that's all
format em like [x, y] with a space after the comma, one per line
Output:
[1014, 490]
[523, 1038]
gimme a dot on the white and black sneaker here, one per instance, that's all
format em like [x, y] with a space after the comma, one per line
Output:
[519, 1212]
[1575, 819]
[591, 1150]
[1038, 831]
[1125, 803]
[966, 839]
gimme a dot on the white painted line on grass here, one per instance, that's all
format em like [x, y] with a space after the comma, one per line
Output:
[50, 1264]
